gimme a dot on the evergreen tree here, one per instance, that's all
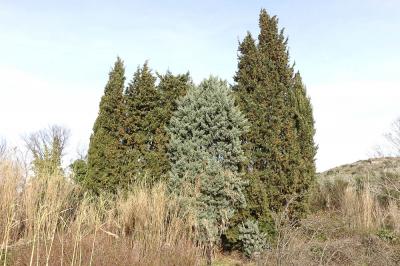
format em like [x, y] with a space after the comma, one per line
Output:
[79, 170]
[251, 97]
[171, 88]
[283, 161]
[148, 110]
[142, 102]
[205, 153]
[265, 93]
[105, 152]
[207, 126]
[304, 120]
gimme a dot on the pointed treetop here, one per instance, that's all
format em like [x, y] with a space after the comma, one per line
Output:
[116, 76]
[104, 157]
[272, 45]
[247, 56]
[118, 67]
[248, 43]
[268, 29]
[142, 79]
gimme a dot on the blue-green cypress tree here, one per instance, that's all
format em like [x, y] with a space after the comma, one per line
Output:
[206, 154]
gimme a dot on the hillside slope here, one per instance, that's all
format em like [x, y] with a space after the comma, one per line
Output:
[372, 168]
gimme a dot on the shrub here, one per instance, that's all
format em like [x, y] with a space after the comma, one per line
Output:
[253, 241]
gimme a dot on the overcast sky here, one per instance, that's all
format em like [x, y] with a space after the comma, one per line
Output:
[55, 57]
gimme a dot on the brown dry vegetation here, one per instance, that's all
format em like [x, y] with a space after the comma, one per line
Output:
[354, 220]
[48, 220]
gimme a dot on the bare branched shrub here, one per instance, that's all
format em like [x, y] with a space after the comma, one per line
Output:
[394, 136]
[3, 148]
[47, 147]
[43, 140]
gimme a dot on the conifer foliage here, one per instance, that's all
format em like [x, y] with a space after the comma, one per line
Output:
[206, 127]
[205, 153]
[148, 109]
[142, 101]
[171, 87]
[105, 152]
[304, 119]
[279, 146]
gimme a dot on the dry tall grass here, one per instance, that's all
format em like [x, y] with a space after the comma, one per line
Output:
[366, 204]
[47, 220]
[353, 223]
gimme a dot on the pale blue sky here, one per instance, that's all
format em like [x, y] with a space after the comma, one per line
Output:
[55, 56]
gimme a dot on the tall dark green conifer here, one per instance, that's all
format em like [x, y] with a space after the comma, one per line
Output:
[304, 120]
[252, 98]
[266, 94]
[282, 159]
[148, 111]
[105, 152]
[141, 102]
[171, 87]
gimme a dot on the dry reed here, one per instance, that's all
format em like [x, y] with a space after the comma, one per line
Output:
[48, 220]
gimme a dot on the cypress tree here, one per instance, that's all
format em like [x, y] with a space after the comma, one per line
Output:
[265, 92]
[303, 116]
[148, 110]
[141, 102]
[79, 170]
[105, 152]
[282, 160]
[251, 97]
[171, 87]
